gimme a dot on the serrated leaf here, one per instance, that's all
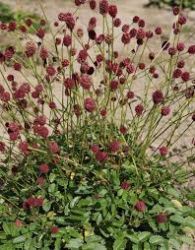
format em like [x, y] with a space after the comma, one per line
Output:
[119, 244]
[156, 239]
[75, 243]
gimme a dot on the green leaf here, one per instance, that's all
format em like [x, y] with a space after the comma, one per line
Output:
[189, 222]
[19, 239]
[187, 240]
[75, 243]
[133, 238]
[156, 239]
[119, 244]
[74, 201]
[143, 236]
[177, 218]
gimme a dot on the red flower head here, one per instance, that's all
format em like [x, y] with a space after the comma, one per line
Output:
[114, 146]
[40, 33]
[69, 83]
[185, 76]
[101, 156]
[161, 218]
[158, 97]
[30, 49]
[163, 151]
[44, 168]
[17, 66]
[85, 81]
[140, 206]
[139, 109]
[40, 181]
[176, 10]
[165, 110]
[112, 11]
[24, 147]
[53, 147]
[95, 148]
[89, 104]
[117, 22]
[103, 7]
[125, 185]
[50, 70]
[67, 40]
[40, 120]
[158, 30]
[180, 47]
[92, 4]
[44, 53]
[126, 37]
[114, 85]
[54, 230]
[191, 50]
[18, 223]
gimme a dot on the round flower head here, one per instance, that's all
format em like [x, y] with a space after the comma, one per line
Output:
[90, 104]
[161, 218]
[140, 206]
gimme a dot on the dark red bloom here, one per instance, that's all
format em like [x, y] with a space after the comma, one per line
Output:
[125, 185]
[161, 218]
[40, 33]
[181, 64]
[112, 10]
[114, 146]
[139, 109]
[114, 85]
[30, 49]
[44, 53]
[103, 7]
[24, 147]
[40, 181]
[176, 10]
[51, 71]
[53, 147]
[191, 50]
[158, 97]
[95, 148]
[185, 76]
[117, 22]
[67, 40]
[177, 73]
[165, 110]
[180, 46]
[12, 26]
[44, 168]
[158, 30]
[123, 129]
[140, 206]
[54, 230]
[126, 38]
[141, 23]
[69, 83]
[101, 156]
[33, 202]
[172, 51]
[135, 19]
[41, 131]
[163, 151]
[90, 104]
[92, 4]
[17, 66]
